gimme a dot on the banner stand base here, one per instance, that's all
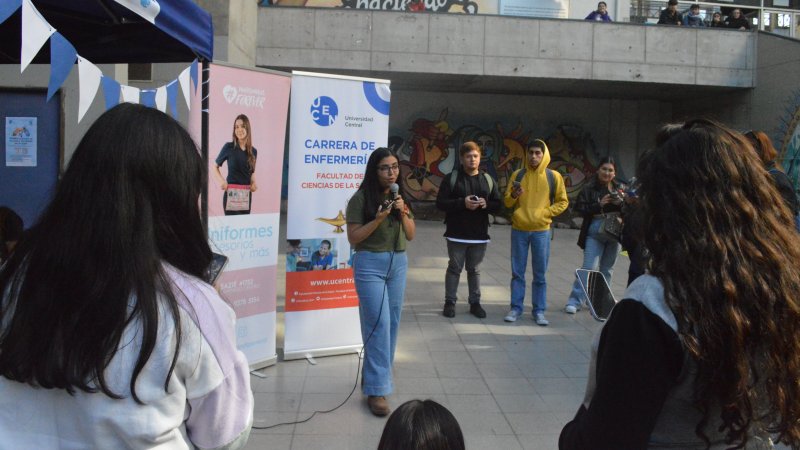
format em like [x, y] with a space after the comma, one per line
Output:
[332, 351]
[264, 363]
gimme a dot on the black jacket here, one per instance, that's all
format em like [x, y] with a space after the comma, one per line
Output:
[461, 222]
[666, 18]
[742, 21]
[588, 205]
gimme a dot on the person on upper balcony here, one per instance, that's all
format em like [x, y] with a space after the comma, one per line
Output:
[716, 20]
[737, 20]
[693, 17]
[670, 15]
[601, 14]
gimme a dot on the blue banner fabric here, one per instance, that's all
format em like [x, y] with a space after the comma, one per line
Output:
[189, 24]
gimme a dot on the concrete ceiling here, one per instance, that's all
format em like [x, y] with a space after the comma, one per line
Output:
[556, 87]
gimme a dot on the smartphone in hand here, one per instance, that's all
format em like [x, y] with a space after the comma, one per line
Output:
[218, 263]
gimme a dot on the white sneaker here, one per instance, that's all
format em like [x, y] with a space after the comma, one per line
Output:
[512, 316]
[570, 309]
[541, 321]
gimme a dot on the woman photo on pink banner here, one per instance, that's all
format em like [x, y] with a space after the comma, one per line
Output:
[241, 180]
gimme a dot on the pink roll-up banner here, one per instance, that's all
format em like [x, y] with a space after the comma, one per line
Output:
[247, 113]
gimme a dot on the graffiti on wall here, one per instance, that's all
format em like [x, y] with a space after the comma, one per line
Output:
[437, 6]
[465, 6]
[789, 140]
[429, 150]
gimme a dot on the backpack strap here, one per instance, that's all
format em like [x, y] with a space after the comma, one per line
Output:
[454, 175]
[489, 181]
[551, 182]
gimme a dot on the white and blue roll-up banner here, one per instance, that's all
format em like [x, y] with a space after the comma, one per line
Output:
[335, 123]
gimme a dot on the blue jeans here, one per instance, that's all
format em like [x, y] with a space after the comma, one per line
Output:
[380, 279]
[600, 254]
[539, 243]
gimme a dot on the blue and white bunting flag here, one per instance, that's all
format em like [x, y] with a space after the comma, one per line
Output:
[35, 32]
[111, 90]
[130, 94]
[62, 58]
[89, 80]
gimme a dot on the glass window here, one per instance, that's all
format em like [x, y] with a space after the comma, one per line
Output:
[777, 22]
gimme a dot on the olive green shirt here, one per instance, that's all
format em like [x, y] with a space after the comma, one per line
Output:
[389, 235]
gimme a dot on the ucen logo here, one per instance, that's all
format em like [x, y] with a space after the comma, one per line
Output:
[324, 111]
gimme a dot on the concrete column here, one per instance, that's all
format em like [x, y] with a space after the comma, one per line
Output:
[242, 30]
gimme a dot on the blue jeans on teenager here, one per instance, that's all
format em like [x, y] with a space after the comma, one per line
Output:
[380, 279]
[539, 244]
[600, 254]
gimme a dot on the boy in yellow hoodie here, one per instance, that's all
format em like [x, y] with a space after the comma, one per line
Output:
[529, 193]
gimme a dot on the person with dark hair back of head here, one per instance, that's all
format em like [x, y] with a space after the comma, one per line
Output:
[763, 147]
[379, 223]
[11, 228]
[109, 335]
[421, 425]
[703, 352]
[670, 15]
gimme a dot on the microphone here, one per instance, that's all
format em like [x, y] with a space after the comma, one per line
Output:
[394, 188]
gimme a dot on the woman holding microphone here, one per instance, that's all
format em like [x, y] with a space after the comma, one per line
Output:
[379, 223]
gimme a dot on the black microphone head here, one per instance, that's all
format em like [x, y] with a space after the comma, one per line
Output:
[394, 188]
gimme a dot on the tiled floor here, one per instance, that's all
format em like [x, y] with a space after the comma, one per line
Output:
[511, 386]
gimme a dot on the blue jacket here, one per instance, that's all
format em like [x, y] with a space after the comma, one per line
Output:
[594, 15]
[693, 20]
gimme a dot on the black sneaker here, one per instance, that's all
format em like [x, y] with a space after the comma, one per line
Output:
[449, 310]
[476, 310]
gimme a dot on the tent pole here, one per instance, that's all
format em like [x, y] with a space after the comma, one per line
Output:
[204, 139]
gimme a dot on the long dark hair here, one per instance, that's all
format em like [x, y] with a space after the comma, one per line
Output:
[371, 185]
[721, 246]
[421, 425]
[11, 228]
[92, 265]
[248, 141]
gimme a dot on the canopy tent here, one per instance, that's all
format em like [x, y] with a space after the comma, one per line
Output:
[108, 32]
[113, 31]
